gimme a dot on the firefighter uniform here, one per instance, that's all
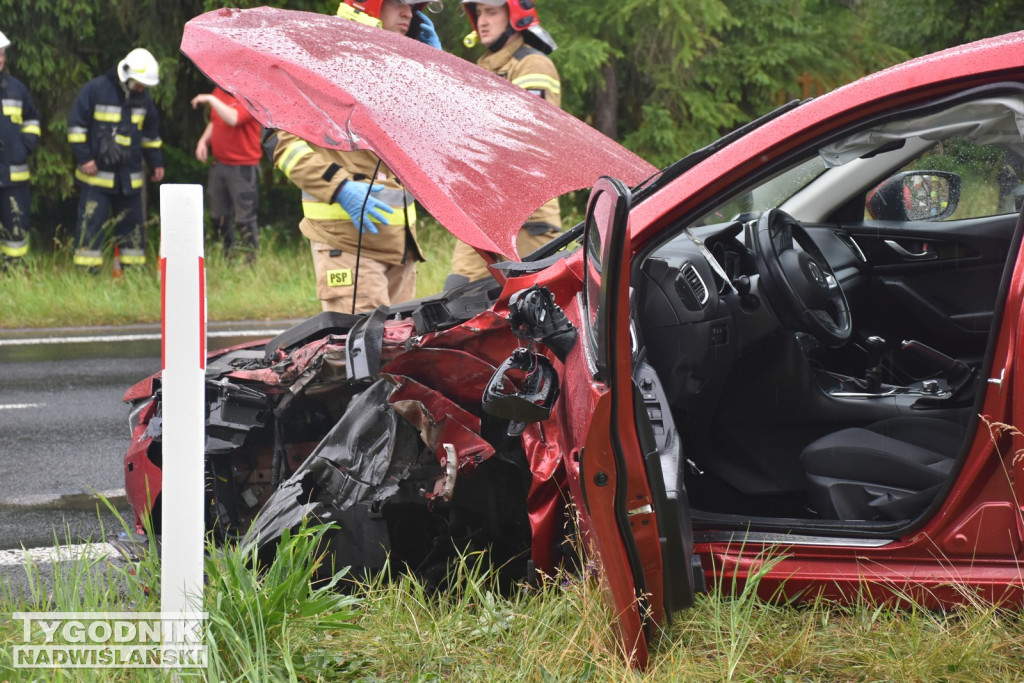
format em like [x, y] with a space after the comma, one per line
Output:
[19, 134]
[532, 70]
[376, 269]
[117, 128]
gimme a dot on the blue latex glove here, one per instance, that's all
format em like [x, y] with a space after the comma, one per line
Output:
[428, 34]
[353, 194]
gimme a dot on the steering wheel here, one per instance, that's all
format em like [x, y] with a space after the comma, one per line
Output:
[799, 283]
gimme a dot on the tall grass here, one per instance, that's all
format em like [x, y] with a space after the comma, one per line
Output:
[278, 623]
[48, 291]
[269, 625]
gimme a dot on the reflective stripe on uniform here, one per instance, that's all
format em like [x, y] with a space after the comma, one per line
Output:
[319, 211]
[136, 180]
[138, 116]
[77, 134]
[152, 143]
[101, 179]
[292, 154]
[107, 113]
[539, 81]
[19, 173]
[31, 127]
[12, 110]
[14, 249]
[132, 257]
[123, 140]
[394, 197]
[88, 257]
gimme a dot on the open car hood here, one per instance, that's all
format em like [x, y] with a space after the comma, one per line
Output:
[479, 153]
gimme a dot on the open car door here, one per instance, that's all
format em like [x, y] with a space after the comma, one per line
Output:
[635, 517]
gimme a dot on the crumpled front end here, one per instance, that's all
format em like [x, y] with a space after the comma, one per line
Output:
[375, 423]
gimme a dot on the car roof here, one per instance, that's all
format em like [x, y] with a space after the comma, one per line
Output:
[477, 152]
[911, 83]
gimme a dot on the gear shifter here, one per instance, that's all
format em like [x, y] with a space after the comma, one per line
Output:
[875, 348]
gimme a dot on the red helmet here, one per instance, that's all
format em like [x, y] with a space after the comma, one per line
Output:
[522, 16]
[372, 7]
[361, 10]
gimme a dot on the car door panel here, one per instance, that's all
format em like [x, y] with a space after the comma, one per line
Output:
[633, 502]
[934, 282]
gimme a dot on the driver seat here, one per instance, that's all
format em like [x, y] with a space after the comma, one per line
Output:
[888, 470]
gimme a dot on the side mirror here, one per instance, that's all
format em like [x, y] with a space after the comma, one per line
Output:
[915, 196]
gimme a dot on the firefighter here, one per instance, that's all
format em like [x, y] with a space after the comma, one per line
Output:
[19, 133]
[112, 127]
[359, 219]
[517, 50]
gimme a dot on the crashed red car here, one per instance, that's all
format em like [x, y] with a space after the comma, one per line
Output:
[798, 342]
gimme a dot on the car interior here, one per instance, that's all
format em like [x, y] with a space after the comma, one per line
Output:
[821, 338]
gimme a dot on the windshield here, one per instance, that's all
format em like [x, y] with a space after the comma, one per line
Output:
[767, 195]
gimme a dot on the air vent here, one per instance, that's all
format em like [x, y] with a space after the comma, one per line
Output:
[848, 240]
[691, 288]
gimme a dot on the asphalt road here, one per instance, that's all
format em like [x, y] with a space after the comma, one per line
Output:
[64, 429]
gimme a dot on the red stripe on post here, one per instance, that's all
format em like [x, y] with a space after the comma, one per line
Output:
[163, 313]
[202, 314]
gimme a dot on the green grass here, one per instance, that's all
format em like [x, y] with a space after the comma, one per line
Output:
[50, 292]
[283, 623]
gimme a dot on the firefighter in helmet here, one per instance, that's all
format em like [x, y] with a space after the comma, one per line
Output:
[517, 50]
[359, 219]
[19, 133]
[113, 125]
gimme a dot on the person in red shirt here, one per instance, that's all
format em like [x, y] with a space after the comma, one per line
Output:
[233, 138]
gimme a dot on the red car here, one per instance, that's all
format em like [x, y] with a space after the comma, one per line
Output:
[798, 342]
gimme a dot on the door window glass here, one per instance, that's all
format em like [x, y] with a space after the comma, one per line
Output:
[991, 178]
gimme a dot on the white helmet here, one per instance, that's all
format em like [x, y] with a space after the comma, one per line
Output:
[4, 41]
[140, 66]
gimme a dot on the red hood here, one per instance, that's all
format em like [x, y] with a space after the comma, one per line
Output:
[477, 152]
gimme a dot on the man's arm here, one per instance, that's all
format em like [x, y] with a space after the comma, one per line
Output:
[79, 119]
[203, 146]
[152, 145]
[30, 127]
[308, 167]
[536, 73]
[228, 113]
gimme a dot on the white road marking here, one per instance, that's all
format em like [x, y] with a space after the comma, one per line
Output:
[21, 406]
[32, 500]
[129, 337]
[110, 493]
[67, 553]
[38, 500]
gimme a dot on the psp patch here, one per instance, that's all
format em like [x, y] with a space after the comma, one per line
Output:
[342, 277]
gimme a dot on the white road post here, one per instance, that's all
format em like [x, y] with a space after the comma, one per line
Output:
[183, 297]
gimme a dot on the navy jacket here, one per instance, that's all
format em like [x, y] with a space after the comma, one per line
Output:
[19, 131]
[116, 128]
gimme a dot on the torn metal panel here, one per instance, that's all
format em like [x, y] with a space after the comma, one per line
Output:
[441, 422]
[460, 376]
[353, 464]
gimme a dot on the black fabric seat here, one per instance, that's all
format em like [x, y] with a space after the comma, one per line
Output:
[891, 469]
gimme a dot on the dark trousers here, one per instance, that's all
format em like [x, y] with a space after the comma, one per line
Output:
[96, 206]
[15, 202]
[234, 191]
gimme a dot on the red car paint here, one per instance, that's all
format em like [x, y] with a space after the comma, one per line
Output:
[422, 110]
[343, 85]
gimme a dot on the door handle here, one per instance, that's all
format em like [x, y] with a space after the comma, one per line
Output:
[905, 253]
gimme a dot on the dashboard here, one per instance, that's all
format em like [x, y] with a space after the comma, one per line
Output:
[700, 304]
